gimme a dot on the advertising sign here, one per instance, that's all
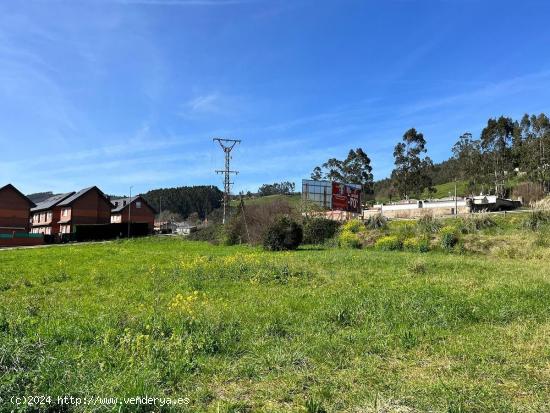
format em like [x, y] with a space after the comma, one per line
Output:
[346, 197]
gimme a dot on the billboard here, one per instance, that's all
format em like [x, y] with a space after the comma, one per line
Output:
[330, 195]
[346, 197]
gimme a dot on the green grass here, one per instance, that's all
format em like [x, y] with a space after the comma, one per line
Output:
[448, 189]
[293, 200]
[312, 330]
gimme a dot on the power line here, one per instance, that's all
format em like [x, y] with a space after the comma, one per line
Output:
[227, 145]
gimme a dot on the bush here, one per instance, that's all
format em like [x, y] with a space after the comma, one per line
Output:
[354, 225]
[536, 220]
[376, 222]
[318, 230]
[234, 231]
[476, 222]
[283, 234]
[427, 224]
[348, 239]
[417, 244]
[417, 267]
[405, 231]
[449, 237]
[248, 224]
[212, 233]
[351, 234]
[389, 243]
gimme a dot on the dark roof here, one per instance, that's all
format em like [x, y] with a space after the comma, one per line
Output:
[51, 202]
[124, 202]
[10, 186]
[78, 194]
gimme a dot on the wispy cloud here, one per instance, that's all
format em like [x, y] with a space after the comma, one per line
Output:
[206, 103]
[213, 104]
[487, 92]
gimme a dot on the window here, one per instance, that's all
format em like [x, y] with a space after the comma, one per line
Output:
[116, 203]
[37, 218]
[65, 212]
[138, 204]
[49, 216]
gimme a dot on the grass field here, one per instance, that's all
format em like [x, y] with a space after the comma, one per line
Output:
[239, 329]
[447, 189]
[293, 200]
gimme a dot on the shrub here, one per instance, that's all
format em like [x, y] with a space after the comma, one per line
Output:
[233, 232]
[376, 222]
[248, 224]
[416, 244]
[405, 231]
[354, 225]
[476, 222]
[351, 234]
[211, 233]
[424, 245]
[389, 243]
[417, 267]
[449, 237]
[427, 224]
[536, 219]
[348, 239]
[318, 230]
[542, 205]
[283, 234]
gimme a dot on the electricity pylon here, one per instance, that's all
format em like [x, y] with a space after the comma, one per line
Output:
[227, 145]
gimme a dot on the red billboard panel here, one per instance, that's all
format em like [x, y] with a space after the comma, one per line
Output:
[346, 197]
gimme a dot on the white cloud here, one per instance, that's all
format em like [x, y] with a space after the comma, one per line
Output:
[206, 103]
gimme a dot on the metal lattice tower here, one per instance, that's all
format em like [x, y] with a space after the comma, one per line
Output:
[227, 145]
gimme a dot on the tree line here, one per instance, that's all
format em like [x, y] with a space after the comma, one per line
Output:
[505, 149]
[277, 188]
[186, 200]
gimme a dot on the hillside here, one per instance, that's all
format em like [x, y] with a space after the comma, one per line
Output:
[447, 189]
[40, 196]
[293, 199]
[186, 200]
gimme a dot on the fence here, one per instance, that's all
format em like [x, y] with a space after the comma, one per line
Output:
[19, 239]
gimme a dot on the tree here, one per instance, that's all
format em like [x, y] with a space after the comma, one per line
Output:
[186, 199]
[355, 169]
[496, 141]
[282, 188]
[317, 173]
[535, 138]
[411, 175]
[467, 154]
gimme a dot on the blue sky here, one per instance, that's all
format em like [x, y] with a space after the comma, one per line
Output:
[130, 92]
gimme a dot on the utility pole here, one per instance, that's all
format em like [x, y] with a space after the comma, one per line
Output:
[130, 212]
[456, 201]
[227, 145]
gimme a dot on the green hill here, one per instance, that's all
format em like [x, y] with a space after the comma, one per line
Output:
[293, 199]
[448, 189]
